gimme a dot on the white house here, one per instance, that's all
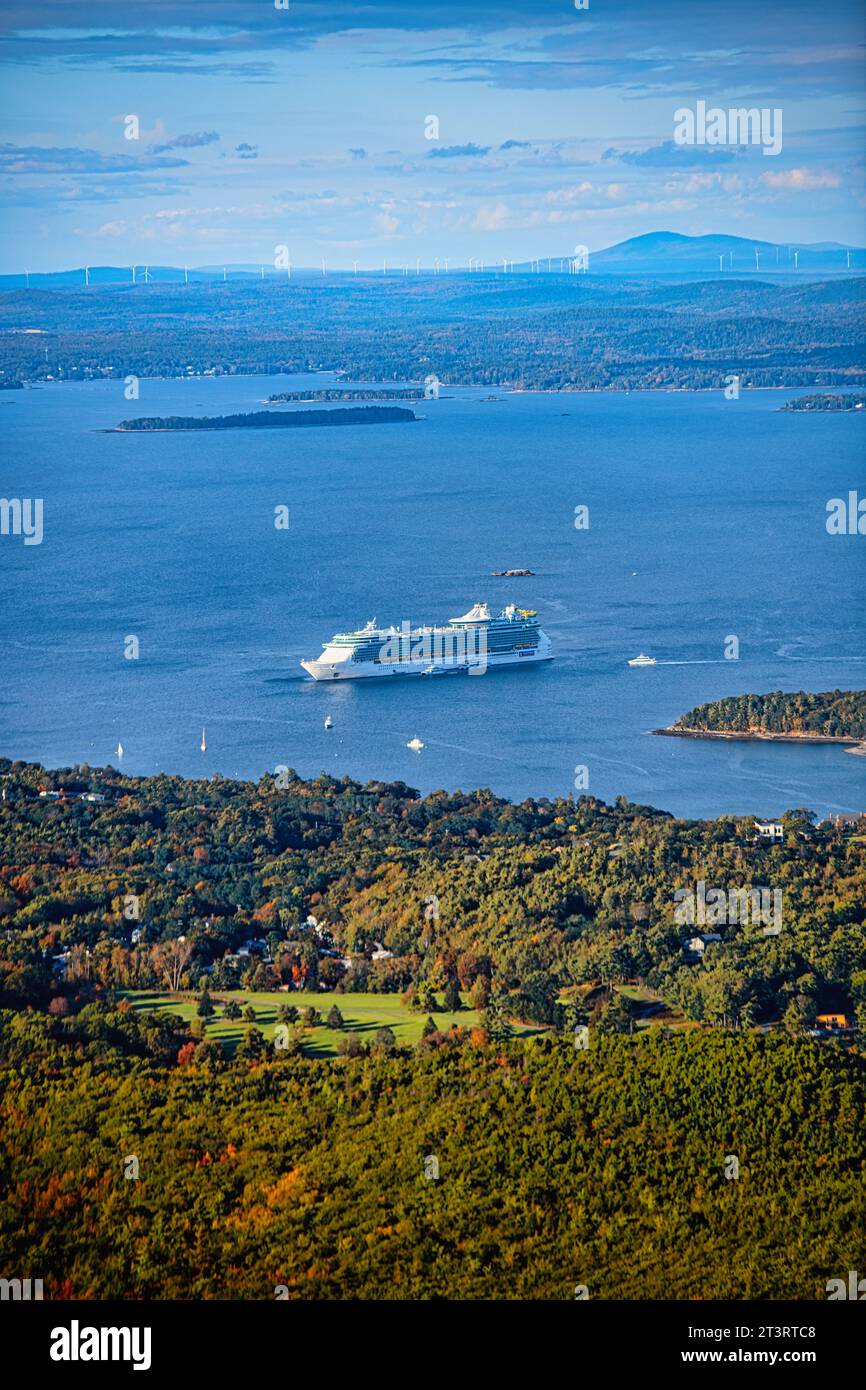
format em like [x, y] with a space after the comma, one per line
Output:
[696, 945]
[769, 830]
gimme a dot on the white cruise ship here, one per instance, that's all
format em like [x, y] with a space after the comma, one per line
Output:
[472, 644]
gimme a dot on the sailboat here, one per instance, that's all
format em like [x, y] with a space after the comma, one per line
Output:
[329, 723]
[120, 750]
[203, 742]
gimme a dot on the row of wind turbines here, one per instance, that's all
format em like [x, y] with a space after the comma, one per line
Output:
[441, 264]
[570, 265]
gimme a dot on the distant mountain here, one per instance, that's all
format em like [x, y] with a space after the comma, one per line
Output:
[654, 254]
[670, 253]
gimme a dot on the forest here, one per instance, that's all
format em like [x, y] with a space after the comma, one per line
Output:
[831, 713]
[532, 331]
[703, 1166]
[158, 882]
[473, 1159]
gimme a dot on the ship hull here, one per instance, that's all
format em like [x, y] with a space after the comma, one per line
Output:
[390, 670]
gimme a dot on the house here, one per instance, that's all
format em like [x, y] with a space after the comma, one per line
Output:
[833, 1021]
[694, 948]
[379, 952]
[848, 820]
[770, 830]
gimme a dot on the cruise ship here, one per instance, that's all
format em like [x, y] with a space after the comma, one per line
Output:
[471, 644]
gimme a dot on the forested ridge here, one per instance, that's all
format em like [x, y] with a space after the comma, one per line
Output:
[538, 332]
[836, 713]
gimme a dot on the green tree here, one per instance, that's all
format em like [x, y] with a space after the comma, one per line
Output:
[253, 1044]
[335, 1018]
[495, 1021]
[452, 1002]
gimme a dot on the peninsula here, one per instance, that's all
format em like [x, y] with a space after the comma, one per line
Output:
[825, 401]
[830, 716]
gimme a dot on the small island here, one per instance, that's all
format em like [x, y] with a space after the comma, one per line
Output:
[263, 419]
[511, 574]
[831, 716]
[349, 393]
[828, 401]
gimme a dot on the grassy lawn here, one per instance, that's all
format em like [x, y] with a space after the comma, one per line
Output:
[363, 1014]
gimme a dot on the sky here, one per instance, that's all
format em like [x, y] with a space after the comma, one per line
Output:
[386, 131]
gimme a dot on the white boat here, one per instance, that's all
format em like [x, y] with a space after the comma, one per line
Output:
[472, 643]
[203, 743]
[415, 744]
[329, 723]
[120, 750]
[642, 660]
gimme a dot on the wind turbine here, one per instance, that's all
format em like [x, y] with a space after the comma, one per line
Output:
[87, 275]
[384, 266]
[262, 269]
[186, 275]
[446, 265]
[436, 264]
[848, 255]
[323, 267]
[757, 260]
[355, 267]
[133, 274]
[796, 260]
[418, 266]
[27, 277]
[471, 259]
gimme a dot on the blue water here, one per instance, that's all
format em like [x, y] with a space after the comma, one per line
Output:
[706, 520]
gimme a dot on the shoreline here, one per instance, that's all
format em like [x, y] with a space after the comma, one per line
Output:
[854, 744]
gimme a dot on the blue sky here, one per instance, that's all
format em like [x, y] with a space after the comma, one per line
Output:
[306, 127]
